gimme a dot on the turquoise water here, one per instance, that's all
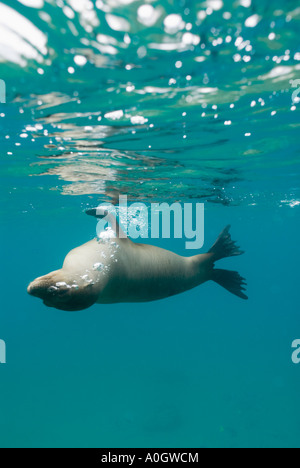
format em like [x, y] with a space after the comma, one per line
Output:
[109, 98]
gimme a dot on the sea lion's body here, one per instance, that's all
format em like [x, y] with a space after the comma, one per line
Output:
[136, 272]
[115, 270]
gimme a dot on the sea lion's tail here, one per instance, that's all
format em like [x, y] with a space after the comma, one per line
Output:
[231, 280]
[225, 246]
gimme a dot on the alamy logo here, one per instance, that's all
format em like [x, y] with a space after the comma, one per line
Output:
[140, 221]
[296, 353]
[2, 92]
[2, 352]
[295, 95]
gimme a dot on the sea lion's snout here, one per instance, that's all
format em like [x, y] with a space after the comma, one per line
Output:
[35, 289]
[56, 292]
[29, 289]
[32, 290]
[41, 287]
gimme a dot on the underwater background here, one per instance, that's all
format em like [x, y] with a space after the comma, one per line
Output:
[162, 101]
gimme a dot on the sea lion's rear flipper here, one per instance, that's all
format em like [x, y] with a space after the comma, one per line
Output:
[225, 246]
[232, 281]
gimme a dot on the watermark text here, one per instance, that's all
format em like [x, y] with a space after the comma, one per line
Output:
[2, 92]
[296, 93]
[2, 352]
[139, 221]
[296, 353]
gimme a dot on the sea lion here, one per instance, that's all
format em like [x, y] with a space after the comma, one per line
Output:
[113, 269]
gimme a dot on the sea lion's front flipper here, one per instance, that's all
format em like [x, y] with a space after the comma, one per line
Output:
[103, 213]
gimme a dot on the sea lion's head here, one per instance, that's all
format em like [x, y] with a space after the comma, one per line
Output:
[56, 291]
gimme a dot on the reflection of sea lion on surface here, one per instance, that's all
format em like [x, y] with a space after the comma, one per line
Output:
[113, 269]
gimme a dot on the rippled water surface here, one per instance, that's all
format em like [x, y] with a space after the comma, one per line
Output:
[174, 99]
[161, 101]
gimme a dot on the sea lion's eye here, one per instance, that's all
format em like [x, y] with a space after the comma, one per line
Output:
[63, 291]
